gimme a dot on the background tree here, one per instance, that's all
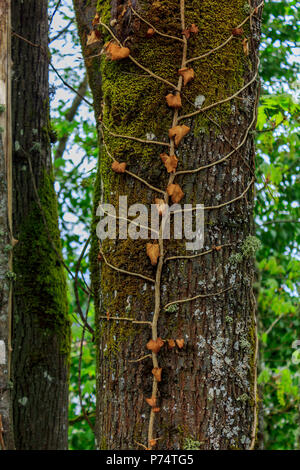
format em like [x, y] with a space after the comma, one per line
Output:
[41, 329]
[219, 330]
[6, 238]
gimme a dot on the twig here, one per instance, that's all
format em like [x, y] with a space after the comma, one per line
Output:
[130, 137]
[123, 271]
[77, 268]
[225, 100]
[211, 51]
[219, 205]
[141, 358]
[132, 320]
[195, 256]
[157, 77]
[153, 27]
[209, 165]
[253, 433]
[130, 173]
[199, 296]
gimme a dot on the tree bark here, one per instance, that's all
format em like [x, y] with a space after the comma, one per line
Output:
[41, 329]
[6, 239]
[207, 396]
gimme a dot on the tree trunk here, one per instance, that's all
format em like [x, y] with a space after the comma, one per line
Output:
[41, 329]
[6, 240]
[207, 396]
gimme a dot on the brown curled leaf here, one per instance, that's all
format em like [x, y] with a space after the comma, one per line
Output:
[171, 343]
[174, 101]
[118, 167]
[151, 401]
[237, 32]
[188, 74]
[161, 206]
[152, 250]
[93, 36]
[175, 191]
[156, 409]
[180, 343]
[96, 19]
[115, 52]
[178, 133]
[150, 32]
[194, 29]
[152, 442]
[170, 162]
[155, 345]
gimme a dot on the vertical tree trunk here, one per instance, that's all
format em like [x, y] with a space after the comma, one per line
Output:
[207, 396]
[41, 330]
[6, 240]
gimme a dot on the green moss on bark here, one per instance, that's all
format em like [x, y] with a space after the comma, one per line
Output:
[41, 276]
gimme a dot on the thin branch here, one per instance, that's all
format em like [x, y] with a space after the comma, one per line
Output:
[157, 77]
[86, 417]
[219, 205]
[199, 296]
[132, 320]
[141, 358]
[211, 51]
[77, 268]
[225, 100]
[153, 27]
[123, 271]
[196, 256]
[209, 165]
[129, 137]
[54, 12]
[130, 173]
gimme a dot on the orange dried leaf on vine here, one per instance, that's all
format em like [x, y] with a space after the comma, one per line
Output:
[180, 343]
[174, 101]
[157, 373]
[96, 20]
[152, 250]
[178, 133]
[175, 191]
[151, 401]
[245, 43]
[152, 442]
[171, 343]
[107, 315]
[218, 248]
[99, 257]
[161, 206]
[186, 33]
[170, 162]
[187, 74]
[194, 29]
[115, 52]
[156, 409]
[237, 32]
[150, 32]
[93, 36]
[155, 345]
[118, 167]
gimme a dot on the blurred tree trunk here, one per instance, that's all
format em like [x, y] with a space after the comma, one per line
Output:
[41, 329]
[6, 240]
[207, 396]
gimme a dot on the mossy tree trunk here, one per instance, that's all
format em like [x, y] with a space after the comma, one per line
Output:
[41, 329]
[207, 396]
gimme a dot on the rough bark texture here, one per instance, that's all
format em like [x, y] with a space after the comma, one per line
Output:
[41, 330]
[207, 395]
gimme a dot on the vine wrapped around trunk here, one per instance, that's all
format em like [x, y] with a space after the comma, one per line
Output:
[206, 397]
